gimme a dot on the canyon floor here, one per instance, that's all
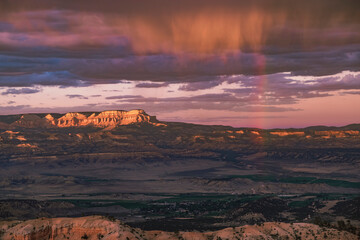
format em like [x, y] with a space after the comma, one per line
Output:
[180, 177]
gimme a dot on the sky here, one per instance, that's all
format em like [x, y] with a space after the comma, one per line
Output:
[259, 63]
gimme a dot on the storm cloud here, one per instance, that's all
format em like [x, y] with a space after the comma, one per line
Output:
[85, 42]
[164, 56]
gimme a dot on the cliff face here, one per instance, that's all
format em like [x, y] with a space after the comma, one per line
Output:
[31, 121]
[337, 134]
[103, 119]
[285, 133]
[97, 227]
[319, 134]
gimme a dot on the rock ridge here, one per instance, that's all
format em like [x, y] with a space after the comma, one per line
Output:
[103, 119]
[97, 227]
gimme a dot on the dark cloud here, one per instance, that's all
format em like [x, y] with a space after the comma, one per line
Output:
[351, 92]
[162, 107]
[195, 86]
[76, 96]
[151, 85]
[24, 71]
[157, 6]
[220, 101]
[58, 78]
[16, 91]
[125, 97]
[14, 109]
[77, 43]
[282, 88]
[256, 94]
[199, 98]
[198, 44]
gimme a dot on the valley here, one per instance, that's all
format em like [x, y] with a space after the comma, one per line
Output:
[176, 176]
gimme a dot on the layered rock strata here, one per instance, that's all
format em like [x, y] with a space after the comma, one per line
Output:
[97, 227]
[74, 119]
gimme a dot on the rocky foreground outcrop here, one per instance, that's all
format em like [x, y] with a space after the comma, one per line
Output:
[74, 119]
[97, 227]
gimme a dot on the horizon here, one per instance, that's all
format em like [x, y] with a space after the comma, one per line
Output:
[189, 122]
[258, 64]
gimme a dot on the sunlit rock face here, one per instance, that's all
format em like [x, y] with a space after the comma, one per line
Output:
[113, 118]
[97, 227]
[337, 134]
[104, 119]
[74, 119]
[287, 133]
[71, 120]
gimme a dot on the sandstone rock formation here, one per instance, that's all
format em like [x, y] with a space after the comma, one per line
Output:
[31, 121]
[318, 134]
[285, 133]
[97, 227]
[337, 134]
[74, 119]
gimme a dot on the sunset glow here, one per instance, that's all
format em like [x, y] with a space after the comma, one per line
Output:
[260, 64]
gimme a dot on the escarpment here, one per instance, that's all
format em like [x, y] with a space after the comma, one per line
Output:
[75, 119]
[113, 118]
[31, 121]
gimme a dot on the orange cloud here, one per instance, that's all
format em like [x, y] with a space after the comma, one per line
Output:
[203, 30]
[207, 31]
